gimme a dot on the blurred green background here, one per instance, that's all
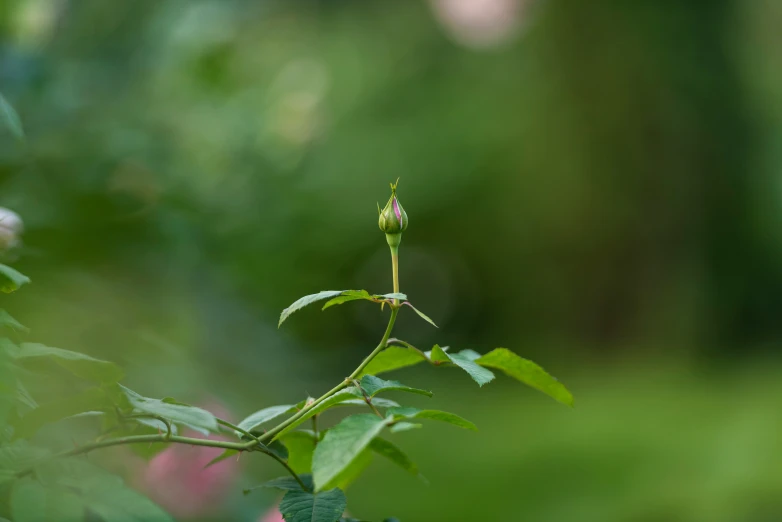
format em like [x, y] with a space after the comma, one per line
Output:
[595, 185]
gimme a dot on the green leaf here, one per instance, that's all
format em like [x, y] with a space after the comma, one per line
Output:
[353, 471]
[260, 417]
[415, 413]
[393, 358]
[527, 372]
[464, 361]
[479, 374]
[373, 385]
[88, 400]
[303, 506]
[348, 295]
[112, 501]
[19, 455]
[180, 413]
[79, 364]
[342, 444]
[420, 313]
[306, 300]
[286, 483]
[10, 279]
[10, 118]
[9, 322]
[227, 454]
[301, 446]
[390, 451]
[28, 501]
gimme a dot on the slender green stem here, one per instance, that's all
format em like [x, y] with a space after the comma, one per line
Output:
[258, 442]
[407, 345]
[139, 439]
[269, 435]
[395, 269]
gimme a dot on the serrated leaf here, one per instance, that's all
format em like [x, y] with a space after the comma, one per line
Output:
[180, 413]
[79, 364]
[373, 385]
[52, 411]
[10, 118]
[306, 300]
[478, 373]
[390, 451]
[444, 416]
[9, 322]
[286, 483]
[28, 501]
[260, 417]
[10, 279]
[348, 295]
[527, 372]
[303, 506]
[420, 313]
[393, 358]
[471, 355]
[464, 361]
[342, 444]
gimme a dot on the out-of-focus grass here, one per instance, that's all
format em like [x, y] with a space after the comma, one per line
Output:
[641, 445]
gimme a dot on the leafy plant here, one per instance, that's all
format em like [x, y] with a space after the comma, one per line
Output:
[37, 483]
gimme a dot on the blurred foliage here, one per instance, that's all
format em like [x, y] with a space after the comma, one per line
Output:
[602, 188]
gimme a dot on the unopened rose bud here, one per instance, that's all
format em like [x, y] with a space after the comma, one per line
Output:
[393, 218]
[10, 228]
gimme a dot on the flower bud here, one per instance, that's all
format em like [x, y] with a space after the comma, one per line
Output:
[10, 228]
[393, 218]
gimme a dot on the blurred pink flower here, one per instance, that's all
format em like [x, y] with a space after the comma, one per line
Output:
[177, 481]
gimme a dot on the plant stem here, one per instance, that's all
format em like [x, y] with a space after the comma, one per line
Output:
[395, 269]
[269, 435]
[139, 439]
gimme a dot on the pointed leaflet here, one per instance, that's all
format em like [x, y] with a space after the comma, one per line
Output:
[306, 300]
[348, 295]
[10, 118]
[77, 363]
[303, 506]
[191, 416]
[415, 413]
[342, 444]
[527, 372]
[420, 313]
[350, 474]
[265, 415]
[9, 322]
[394, 454]
[10, 279]
[227, 454]
[393, 358]
[373, 385]
[462, 360]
